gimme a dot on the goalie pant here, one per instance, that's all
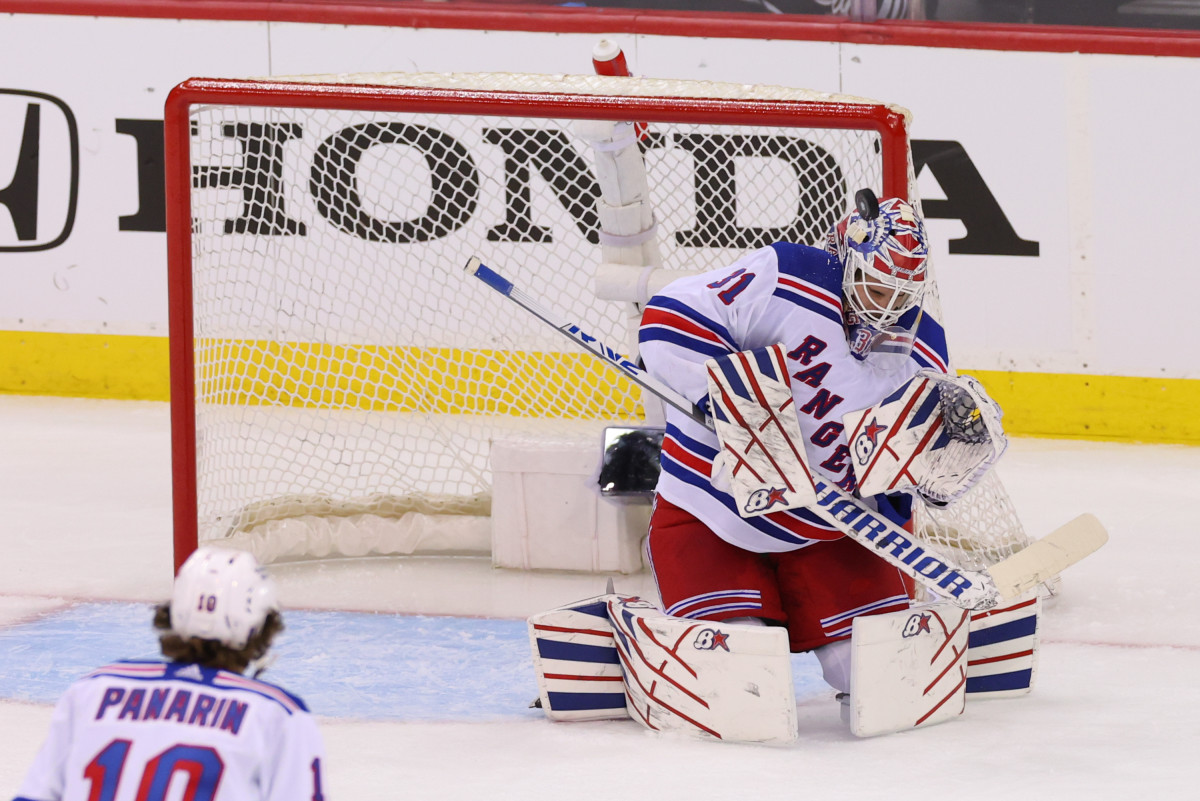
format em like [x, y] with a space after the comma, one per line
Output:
[816, 591]
[790, 294]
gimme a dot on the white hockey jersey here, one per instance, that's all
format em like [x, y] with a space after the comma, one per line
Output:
[782, 293]
[133, 729]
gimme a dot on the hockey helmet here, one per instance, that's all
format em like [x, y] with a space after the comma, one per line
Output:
[221, 595]
[884, 252]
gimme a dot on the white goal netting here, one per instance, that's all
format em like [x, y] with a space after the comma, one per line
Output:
[347, 377]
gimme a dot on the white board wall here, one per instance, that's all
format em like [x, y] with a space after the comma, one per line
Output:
[1088, 155]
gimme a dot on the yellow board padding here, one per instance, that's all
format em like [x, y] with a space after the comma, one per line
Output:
[1077, 406]
[84, 365]
[411, 379]
[1064, 405]
[437, 380]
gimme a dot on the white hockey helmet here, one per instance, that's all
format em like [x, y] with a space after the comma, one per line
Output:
[221, 595]
[884, 251]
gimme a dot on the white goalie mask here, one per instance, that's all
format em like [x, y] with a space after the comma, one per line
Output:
[884, 258]
[221, 595]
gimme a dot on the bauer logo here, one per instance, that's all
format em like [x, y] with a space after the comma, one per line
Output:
[762, 499]
[711, 640]
[867, 441]
[39, 171]
[917, 624]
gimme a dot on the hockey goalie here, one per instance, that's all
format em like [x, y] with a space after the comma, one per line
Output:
[817, 366]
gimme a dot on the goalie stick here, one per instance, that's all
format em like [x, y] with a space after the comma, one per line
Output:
[586, 341]
[969, 589]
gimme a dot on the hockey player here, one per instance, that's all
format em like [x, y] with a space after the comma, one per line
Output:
[850, 319]
[192, 721]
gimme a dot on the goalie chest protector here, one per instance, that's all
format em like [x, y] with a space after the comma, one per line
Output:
[782, 293]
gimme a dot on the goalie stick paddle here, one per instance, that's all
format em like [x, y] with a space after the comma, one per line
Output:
[1043, 559]
[969, 589]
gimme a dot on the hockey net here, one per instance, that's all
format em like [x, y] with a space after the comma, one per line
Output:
[337, 382]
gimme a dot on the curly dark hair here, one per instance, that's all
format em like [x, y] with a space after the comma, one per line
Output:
[212, 653]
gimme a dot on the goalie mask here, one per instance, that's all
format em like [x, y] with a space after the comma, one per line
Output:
[884, 261]
[221, 595]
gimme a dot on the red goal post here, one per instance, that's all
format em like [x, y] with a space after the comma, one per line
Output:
[336, 382]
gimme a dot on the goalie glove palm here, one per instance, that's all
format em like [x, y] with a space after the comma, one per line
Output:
[977, 440]
[937, 434]
[968, 413]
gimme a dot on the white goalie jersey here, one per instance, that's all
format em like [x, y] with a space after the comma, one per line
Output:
[784, 293]
[133, 729]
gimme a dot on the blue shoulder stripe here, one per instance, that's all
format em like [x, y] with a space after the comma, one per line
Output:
[683, 310]
[930, 335]
[809, 264]
[808, 303]
[654, 334]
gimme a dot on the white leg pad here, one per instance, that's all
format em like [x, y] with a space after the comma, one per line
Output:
[725, 681]
[1002, 649]
[908, 669]
[576, 662]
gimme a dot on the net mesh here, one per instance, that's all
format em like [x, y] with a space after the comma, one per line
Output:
[346, 368]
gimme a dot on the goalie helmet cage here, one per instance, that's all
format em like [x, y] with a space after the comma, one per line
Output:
[335, 380]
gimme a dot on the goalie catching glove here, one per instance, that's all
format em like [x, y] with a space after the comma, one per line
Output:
[938, 434]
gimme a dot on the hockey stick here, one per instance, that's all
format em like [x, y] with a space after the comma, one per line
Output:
[586, 341]
[970, 589]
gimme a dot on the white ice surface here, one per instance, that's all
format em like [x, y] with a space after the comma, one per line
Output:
[85, 499]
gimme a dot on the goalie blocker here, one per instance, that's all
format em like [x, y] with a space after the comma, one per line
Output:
[762, 455]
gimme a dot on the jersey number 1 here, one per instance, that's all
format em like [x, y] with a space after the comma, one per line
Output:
[202, 765]
[730, 292]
